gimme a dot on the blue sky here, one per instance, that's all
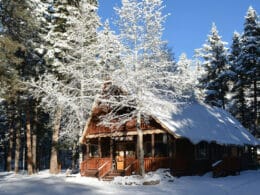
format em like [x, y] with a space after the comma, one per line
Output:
[190, 21]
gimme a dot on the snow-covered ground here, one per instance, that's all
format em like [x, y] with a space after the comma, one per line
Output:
[45, 184]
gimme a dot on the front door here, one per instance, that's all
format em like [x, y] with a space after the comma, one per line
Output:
[124, 154]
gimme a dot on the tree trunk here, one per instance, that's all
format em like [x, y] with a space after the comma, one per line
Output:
[81, 156]
[29, 143]
[34, 140]
[74, 154]
[242, 107]
[140, 148]
[11, 139]
[34, 146]
[10, 149]
[18, 139]
[17, 150]
[54, 165]
[255, 106]
[223, 102]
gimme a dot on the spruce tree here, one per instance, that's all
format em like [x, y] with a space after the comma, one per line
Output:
[20, 24]
[238, 104]
[248, 64]
[70, 56]
[214, 81]
[186, 75]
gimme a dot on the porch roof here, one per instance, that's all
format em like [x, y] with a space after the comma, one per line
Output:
[199, 122]
[128, 133]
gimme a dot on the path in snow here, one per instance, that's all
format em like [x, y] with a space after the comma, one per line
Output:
[45, 184]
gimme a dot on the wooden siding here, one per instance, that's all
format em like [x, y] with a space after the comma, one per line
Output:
[130, 126]
[99, 167]
[227, 166]
[183, 157]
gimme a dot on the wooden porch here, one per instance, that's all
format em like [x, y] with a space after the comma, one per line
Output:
[101, 167]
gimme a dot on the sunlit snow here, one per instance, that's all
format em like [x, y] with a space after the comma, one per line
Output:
[199, 122]
[44, 183]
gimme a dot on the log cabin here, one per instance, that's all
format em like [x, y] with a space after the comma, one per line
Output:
[191, 140]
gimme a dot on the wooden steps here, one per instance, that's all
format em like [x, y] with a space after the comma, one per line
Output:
[112, 174]
[90, 173]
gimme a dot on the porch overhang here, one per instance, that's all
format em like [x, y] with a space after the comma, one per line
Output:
[121, 134]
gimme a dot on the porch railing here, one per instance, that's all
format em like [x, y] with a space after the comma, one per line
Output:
[152, 164]
[104, 169]
[102, 166]
[132, 167]
[92, 166]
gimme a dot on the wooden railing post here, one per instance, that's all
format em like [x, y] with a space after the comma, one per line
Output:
[99, 147]
[87, 150]
[104, 168]
[153, 145]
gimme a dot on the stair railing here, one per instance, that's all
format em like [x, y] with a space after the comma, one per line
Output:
[131, 167]
[104, 169]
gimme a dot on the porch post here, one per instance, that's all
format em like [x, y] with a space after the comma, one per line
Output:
[153, 145]
[111, 148]
[99, 147]
[170, 145]
[87, 150]
[111, 153]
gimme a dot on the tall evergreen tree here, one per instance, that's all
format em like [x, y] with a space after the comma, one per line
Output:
[214, 81]
[20, 24]
[186, 75]
[57, 46]
[238, 106]
[12, 50]
[249, 65]
[71, 54]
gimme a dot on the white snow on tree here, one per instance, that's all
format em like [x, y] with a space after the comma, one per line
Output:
[144, 81]
[248, 65]
[130, 70]
[187, 75]
[214, 81]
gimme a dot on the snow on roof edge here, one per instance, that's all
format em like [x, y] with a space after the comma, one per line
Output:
[199, 118]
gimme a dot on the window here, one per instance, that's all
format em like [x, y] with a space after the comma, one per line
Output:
[105, 147]
[147, 149]
[125, 149]
[201, 151]
[93, 150]
[161, 149]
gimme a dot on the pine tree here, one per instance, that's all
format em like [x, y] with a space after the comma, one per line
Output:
[187, 75]
[9, 62]
[248, 61]
[81, 73]
[238, 102]
[214, 81]
[10, 84]
[64, 89]
[20, 25]
[57, 46]
[109, 49]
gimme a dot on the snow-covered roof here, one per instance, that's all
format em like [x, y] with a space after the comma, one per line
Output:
[199, 122]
